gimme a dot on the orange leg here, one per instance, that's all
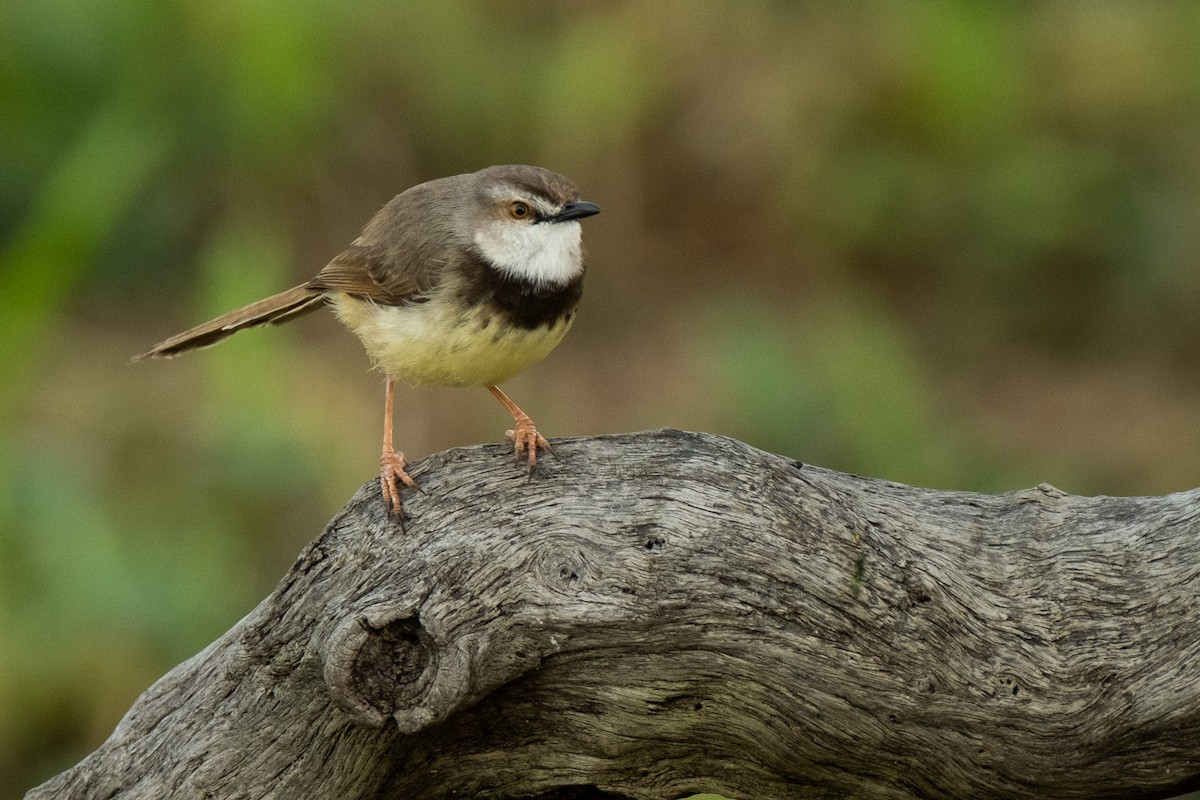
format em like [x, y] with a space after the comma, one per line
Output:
[392, 463]
[524, 436]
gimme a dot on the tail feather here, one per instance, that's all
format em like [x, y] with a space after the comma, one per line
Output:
[274, 309]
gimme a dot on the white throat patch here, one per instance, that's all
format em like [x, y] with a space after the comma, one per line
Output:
[544, 252]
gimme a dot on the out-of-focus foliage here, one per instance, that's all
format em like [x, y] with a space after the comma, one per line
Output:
[946, 243]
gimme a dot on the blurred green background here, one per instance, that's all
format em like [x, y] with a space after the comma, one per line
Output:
[952, 244]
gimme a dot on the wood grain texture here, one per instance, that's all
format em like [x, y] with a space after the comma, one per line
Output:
[664, 613]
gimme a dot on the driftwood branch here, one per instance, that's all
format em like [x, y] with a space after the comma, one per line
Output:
[666, 613]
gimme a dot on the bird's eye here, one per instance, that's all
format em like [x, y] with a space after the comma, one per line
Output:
[519, 210]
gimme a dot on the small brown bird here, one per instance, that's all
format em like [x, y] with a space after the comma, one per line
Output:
[461, 281]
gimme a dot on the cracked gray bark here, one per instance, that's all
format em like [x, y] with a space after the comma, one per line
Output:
[664, 613]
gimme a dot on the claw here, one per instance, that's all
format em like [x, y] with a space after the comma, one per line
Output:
[527, 441]
[524, 436]
[392, 463]
[391, 475]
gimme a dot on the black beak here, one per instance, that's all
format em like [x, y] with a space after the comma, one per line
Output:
[577, 209]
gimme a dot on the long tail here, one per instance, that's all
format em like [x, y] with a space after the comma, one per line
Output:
[274, 309]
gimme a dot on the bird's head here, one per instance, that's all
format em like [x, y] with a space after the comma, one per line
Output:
[526, 223]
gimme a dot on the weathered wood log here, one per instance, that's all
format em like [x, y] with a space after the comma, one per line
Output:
[665, 613]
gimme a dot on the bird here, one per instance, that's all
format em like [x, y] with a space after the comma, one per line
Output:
[461, 281]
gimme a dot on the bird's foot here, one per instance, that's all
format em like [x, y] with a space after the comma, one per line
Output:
[391, 475]
[527, 441]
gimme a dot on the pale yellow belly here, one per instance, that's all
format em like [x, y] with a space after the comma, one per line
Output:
[429, 343]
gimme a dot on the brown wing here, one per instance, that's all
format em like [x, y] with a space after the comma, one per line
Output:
[371, 273]
[402, 251]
